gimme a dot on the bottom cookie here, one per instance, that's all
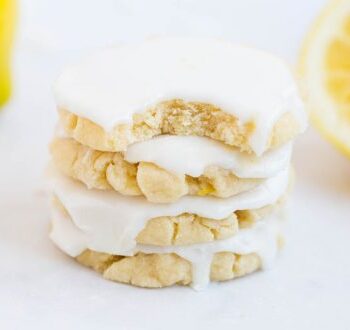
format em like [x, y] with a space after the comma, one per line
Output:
[162, 270]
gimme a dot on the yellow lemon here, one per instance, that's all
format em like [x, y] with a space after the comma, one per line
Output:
[7, 18]
[324, 65]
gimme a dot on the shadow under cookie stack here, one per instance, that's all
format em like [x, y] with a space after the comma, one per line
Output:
[172, 160]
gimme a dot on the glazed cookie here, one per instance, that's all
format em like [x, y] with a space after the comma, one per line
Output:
[186, 229]
[176, 117]
[107, 170]
[240, 96]
[115, 223]
[162, 270]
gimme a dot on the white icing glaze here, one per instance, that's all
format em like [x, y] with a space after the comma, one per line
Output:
[68, 237]
[111, 221]
[113, 84]
[260, 239]
[193, 154]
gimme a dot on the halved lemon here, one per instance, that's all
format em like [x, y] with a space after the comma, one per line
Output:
[324, 66]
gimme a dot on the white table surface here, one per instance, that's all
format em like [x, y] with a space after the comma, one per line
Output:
[40, 288]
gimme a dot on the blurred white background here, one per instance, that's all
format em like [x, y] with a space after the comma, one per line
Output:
[64, 25]
[40, 288]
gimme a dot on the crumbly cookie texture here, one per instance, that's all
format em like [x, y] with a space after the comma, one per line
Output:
[175, 117]
[162, 270]
[109, 170]
[186, 229]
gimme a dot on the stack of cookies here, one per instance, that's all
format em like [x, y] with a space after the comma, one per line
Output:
[172, 160]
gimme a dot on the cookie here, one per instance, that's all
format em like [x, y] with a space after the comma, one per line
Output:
[187, 229]
[109, 222]
[162, 270]
[238, 95]
[110, 171]
[177, 117]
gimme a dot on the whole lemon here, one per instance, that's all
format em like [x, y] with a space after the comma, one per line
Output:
[7, 22]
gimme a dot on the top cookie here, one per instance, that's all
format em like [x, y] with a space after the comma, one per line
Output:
[238, 95]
